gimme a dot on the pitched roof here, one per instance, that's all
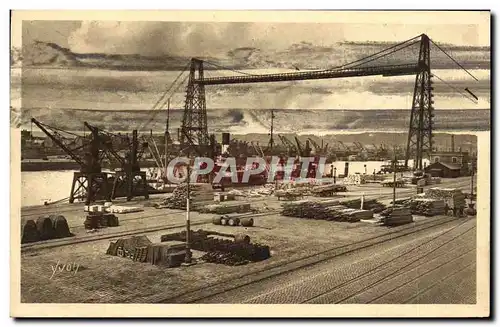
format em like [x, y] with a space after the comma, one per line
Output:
[450, 166]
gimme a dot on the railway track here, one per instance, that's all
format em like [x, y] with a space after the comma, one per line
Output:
[201, 295]
[92, 238]
[393, 268]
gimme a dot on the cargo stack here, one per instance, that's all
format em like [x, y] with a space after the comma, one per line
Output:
[200, 193]
[396, 216]
[427, 207]
[454, 198]
[324, 211]
[356, 179]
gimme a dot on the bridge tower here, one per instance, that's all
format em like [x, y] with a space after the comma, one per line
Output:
[422, 110]
[194, 121]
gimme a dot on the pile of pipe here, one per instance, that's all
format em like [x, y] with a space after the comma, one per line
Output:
[235, 252]
[372, 205]
[324, 211]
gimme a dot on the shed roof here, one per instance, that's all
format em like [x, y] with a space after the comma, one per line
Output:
[445, 164]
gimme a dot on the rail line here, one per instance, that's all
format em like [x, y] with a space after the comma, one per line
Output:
[198, 294]
[384, 267]
[70, 241]
[441, 280]
[426, 273]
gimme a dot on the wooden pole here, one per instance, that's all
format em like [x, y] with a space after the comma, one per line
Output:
[394, 180]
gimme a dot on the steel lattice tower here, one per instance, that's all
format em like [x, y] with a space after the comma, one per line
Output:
[194, 121]
[421, 119]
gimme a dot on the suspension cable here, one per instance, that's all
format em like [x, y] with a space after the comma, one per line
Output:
[362, 63]
[156, 112]
[170, 87]
[456, 62]
[455, 89]
[227, 68]
[375, 54]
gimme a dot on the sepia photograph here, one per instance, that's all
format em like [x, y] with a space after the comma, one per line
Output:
[196, 158]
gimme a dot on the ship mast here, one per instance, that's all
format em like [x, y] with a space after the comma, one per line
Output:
[167, 136]
[271, 139]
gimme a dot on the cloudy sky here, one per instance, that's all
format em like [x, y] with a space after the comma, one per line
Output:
[283, 46]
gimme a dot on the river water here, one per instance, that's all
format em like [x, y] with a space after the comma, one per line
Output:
[40, 186]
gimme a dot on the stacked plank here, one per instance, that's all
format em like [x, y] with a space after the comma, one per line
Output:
[226, 208]
[453, 197]
[427, 207]
[372, 205]
[198, 193]
[396, 216]
[324, 211]
[330, 189]
[355, 179]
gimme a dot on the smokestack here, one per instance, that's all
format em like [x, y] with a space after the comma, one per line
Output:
[452, 143]
[346, 169]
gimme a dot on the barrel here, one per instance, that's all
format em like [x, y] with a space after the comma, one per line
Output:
[233, 221]
[246, 222]
[30, 232]
[44, 227]
[216, 220]
[241, 238]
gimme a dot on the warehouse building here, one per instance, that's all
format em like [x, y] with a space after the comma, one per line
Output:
[444, 170]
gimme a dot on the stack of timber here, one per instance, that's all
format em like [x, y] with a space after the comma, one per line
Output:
[111, 209]
[396, 216]
[392, 183]
[199, 193]
[372, 205]
[355, 179]
[454, 198]
[324, 211]
[45, 228]
[328, 190]
[289, 194]
[427, 207]
[226, 208]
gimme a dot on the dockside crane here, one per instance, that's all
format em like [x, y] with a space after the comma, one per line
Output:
[291, 148]
[304, 150]
[90, 183]
[129, 180]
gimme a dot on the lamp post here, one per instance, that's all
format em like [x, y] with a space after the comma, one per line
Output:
[189, 255]
[334, 175]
